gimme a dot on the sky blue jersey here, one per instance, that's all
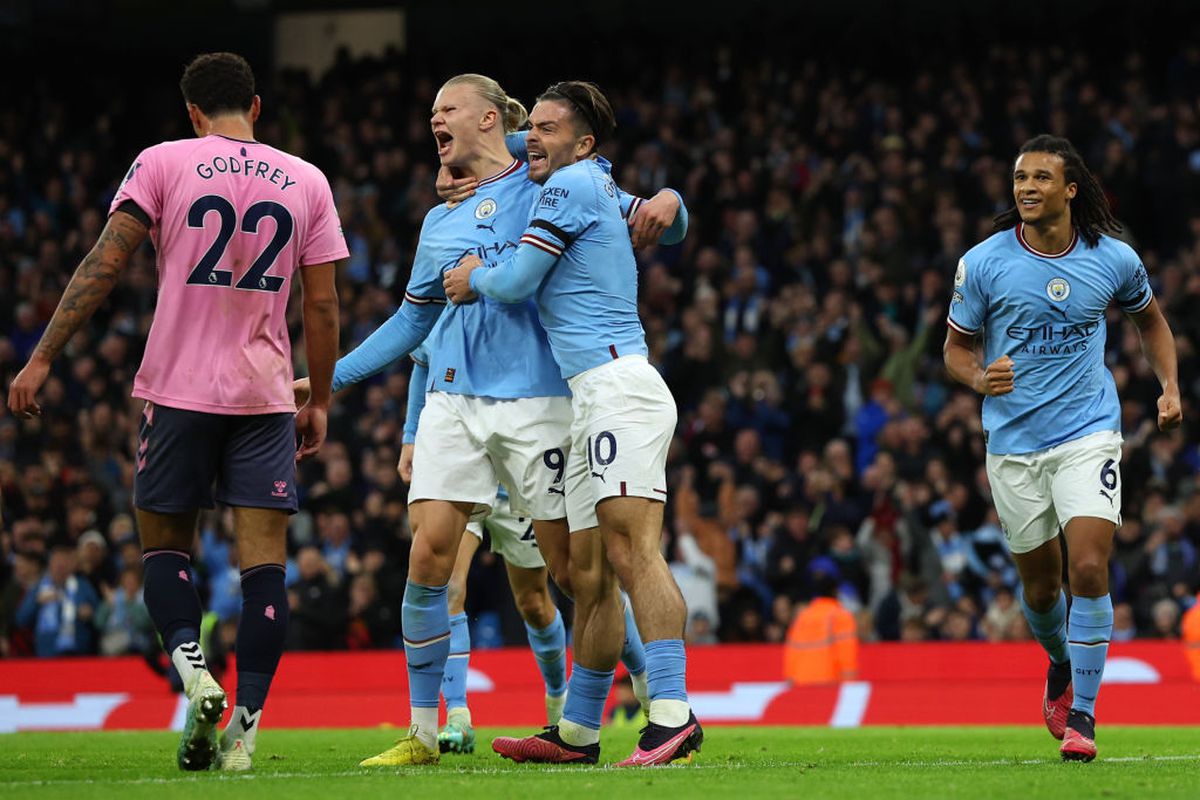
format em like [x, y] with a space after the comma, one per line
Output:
[577, 258]
[484, 349]
[1046, 312]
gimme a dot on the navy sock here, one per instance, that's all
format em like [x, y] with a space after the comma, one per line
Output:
[170, 596]
[261, 632]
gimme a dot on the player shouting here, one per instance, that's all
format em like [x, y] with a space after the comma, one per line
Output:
[575, 256]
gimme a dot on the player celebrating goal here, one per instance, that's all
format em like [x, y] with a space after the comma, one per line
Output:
[232, 219]
[1037, 293]
[576, 257]
[497, 409]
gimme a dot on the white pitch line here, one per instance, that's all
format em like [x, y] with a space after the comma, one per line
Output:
[363, 773]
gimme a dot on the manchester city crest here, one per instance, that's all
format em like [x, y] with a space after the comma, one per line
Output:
[1058, 289]
[485, 209]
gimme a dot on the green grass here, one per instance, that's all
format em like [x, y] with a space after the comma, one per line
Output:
[864, 764]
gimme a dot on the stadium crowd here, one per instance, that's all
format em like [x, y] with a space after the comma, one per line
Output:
[799, 326]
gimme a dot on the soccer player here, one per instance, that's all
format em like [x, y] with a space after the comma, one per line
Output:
[233, 221]
[1036, 293]
[575, 256]
[498, 409]
[513, 540]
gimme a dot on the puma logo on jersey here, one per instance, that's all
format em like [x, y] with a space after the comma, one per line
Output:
[600, 475]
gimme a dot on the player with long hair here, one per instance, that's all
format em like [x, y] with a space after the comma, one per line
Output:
[1036, 294]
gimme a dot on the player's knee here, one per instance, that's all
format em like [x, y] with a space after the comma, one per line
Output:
[1043, 595]
[1089, 575]
[536, 608]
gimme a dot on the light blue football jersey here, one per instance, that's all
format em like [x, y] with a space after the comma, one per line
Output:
[485, 348]
[588, 301]
[1047, 313]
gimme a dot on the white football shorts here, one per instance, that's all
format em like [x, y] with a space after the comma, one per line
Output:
[1038, 493]
[467, 445]
[624, 421]
[512, 536]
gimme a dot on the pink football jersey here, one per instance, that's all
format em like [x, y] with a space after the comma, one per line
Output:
[231, 222]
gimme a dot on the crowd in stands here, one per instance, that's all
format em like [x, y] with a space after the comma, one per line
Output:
[799, 326]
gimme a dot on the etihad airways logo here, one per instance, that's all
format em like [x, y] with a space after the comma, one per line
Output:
[1049, 339]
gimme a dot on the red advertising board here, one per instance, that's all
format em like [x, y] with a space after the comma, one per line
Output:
[911, 684]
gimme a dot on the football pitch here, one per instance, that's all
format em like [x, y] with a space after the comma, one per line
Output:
[742, 762]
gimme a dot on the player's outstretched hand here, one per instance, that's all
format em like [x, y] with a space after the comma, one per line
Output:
[311, 423]
[997, 377]
[457, 280]
[652, 218]
[454, 190]
[404, 465]
[302, 390]
[1170, 413]
[22, 394]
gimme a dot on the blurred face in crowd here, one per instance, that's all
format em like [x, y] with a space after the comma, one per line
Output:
[1040, 188]
[62, 564]
[555, 139]
[460, 119]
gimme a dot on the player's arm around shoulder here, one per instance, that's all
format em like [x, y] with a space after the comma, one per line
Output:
[565, 207]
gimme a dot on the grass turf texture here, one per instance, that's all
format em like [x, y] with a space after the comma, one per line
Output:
[872, 763]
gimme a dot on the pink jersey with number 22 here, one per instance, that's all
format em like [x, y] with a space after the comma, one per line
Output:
[231, 222]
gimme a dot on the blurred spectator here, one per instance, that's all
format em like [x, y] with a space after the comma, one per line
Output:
[822, 642]
[317, 605]
[60, 608]
[1003, 619]
[1124, 628]
[1191, 637]
[122, 620]
[372, 623]
[1166, 619]
[696, 575]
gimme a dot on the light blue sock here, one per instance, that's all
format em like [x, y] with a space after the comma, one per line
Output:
[633, 655]
[454, 680]
[666, 670]
[586, 696]
[549, 647]
[1050, 627]
[425, 615]
[1090, 629]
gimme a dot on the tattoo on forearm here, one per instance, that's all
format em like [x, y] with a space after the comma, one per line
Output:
[95, 277]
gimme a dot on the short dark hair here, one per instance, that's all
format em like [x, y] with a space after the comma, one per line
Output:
[589, 106]
[218, 83]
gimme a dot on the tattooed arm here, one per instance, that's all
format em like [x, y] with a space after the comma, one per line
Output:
[95, 277]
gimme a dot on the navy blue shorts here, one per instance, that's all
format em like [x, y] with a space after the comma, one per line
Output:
[182, 455]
